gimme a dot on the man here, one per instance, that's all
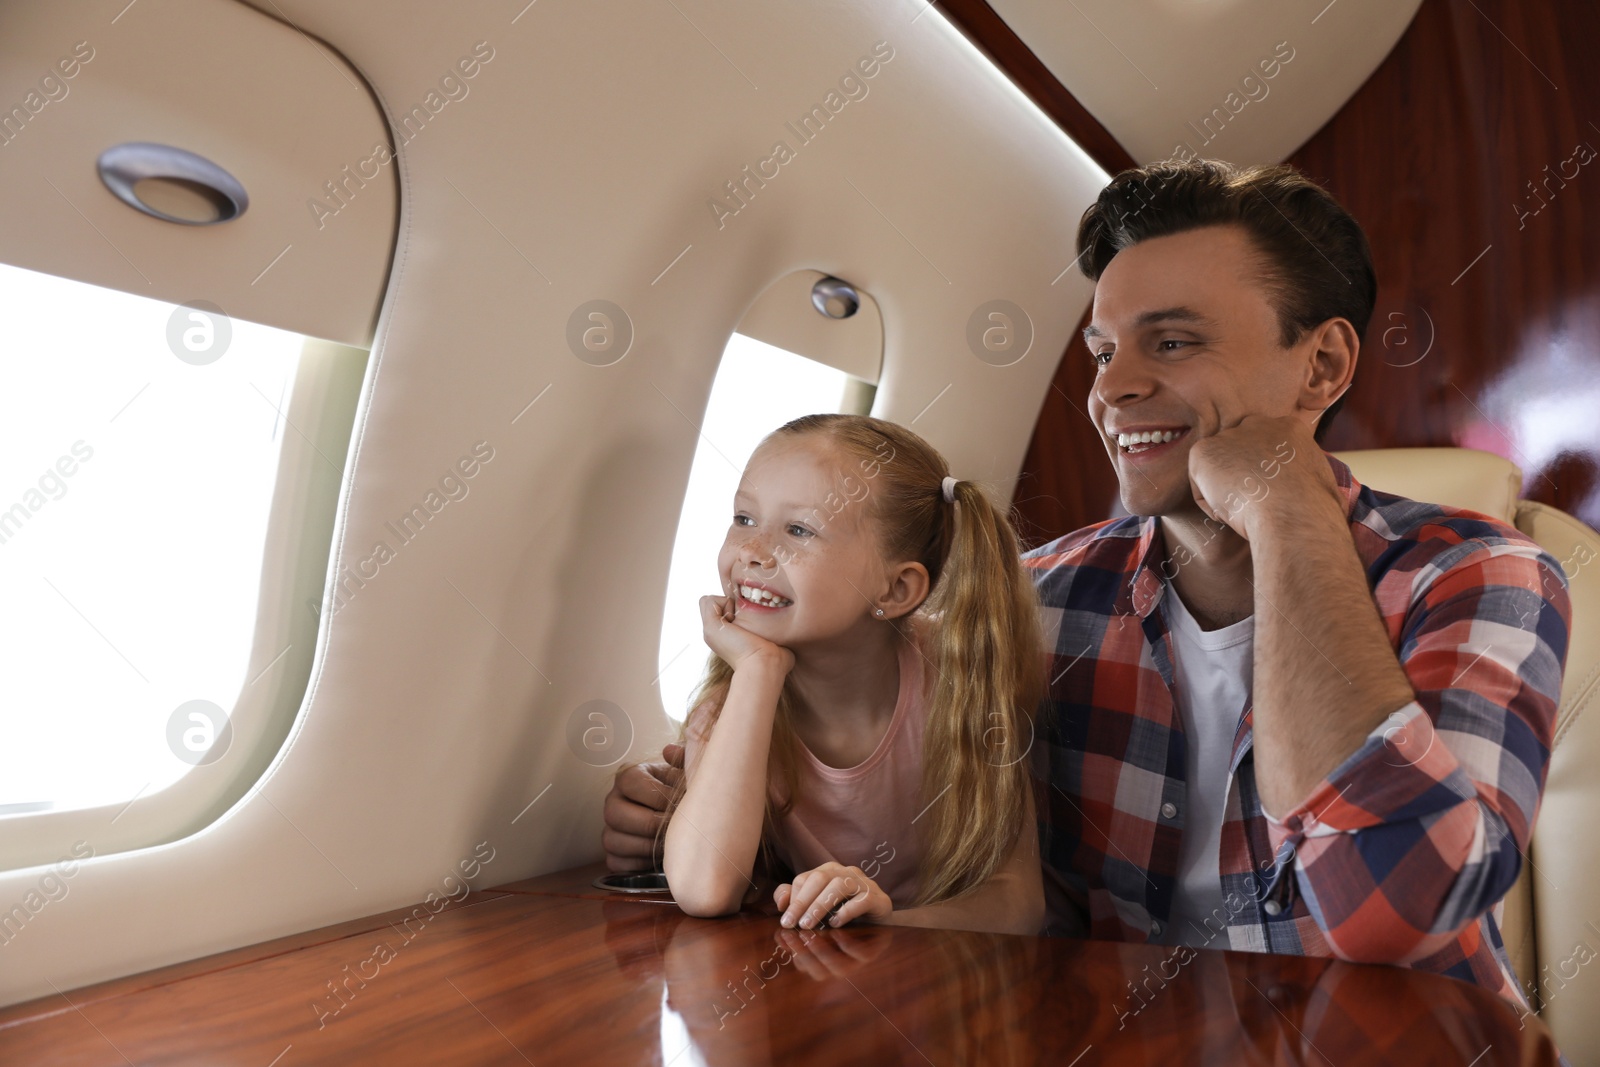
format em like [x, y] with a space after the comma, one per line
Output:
[1287, 713]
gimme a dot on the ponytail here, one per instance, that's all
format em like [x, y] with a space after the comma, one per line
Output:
[988, 652]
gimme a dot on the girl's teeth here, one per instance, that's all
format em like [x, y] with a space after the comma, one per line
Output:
[762, 597]
[1148, 437]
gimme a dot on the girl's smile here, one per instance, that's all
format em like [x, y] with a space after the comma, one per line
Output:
[754, 596]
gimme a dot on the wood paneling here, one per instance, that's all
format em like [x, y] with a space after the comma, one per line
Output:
[989, 32]
[1461, 158]
[547, 973]
[1067, 481]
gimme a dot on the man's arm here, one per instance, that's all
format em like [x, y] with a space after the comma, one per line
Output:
[1422, 828]
[1325, 674]
[1406, 783]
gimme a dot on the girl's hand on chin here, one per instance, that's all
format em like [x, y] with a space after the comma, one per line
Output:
[737, 646]
[808, 901]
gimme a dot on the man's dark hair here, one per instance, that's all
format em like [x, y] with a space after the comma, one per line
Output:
[1318, 264]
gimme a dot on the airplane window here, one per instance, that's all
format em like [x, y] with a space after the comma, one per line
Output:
[140, 448]
[758, 388]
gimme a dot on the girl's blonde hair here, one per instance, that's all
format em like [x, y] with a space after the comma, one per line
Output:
[985, 647]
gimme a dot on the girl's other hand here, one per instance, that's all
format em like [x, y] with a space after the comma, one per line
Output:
[807, 901]
[736, 645]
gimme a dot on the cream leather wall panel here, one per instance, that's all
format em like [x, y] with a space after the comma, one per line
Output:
[558, 155]
[1566, 841]
[1517, 930]
[1247, 81]
[281, 115]
[1456, 477]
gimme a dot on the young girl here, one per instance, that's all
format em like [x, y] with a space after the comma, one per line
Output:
[867, 709]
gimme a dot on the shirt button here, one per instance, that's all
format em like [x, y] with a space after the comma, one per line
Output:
[1155, 927]
[1169, 810]
[1272, 907]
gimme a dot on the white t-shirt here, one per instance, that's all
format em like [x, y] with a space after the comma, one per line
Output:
[1212, 674]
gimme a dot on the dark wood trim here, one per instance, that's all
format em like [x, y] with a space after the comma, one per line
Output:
[989, 32]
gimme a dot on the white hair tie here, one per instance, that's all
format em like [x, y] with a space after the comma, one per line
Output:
[949, 488]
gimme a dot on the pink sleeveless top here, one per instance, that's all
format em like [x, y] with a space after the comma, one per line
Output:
[864, 816]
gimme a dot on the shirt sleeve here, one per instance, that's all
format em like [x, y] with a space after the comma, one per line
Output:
[1423, 828]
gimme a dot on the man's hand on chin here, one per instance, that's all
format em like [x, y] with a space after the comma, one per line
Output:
[1260, 468]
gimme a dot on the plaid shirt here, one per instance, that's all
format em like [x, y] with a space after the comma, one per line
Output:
[1403, 853]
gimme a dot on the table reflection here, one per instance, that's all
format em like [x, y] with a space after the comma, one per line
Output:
[743, 990]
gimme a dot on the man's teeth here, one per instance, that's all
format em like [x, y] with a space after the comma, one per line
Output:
[761, 596]
[1149, 437]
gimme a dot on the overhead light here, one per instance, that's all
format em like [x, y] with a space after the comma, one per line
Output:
[835, 298]
[172, 184]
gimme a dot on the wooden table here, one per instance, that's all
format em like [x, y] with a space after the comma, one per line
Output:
[552, 971]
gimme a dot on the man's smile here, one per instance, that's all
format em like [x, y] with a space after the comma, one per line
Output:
[1147, 440]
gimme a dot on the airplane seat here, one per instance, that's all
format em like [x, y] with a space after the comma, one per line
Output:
[1546, 921]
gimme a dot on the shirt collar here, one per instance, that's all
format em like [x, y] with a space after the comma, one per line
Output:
[1349, 488]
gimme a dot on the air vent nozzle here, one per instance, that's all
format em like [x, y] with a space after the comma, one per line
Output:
[172, 184]
[835, 298]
